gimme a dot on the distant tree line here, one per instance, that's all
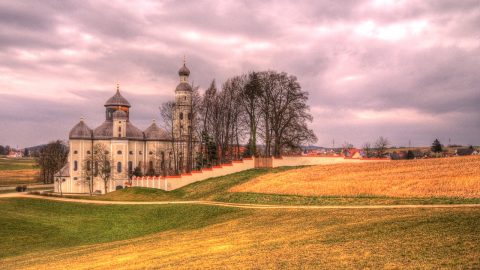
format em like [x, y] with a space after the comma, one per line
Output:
[5, 149]
[265, 112]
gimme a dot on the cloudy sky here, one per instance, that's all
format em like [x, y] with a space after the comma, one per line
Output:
[407, 70]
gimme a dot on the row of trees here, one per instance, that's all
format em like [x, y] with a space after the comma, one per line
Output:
[5, 149]
[266, 108]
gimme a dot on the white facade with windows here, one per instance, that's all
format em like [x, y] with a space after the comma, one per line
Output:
[128, 146]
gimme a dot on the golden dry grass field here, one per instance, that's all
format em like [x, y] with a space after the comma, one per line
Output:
[443, 177]
[15, 171]
[289, 239]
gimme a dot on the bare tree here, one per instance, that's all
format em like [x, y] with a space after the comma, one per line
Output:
[100, 162]
[51, 159]
[367, 148]
[167, 111]
[381, 146]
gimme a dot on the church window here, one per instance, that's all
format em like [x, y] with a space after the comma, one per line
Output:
[89, 165]
[75, 165]
[107, 167]
[119, 167]
[181, 116]
[119, 152]
[106, 152]
[139, 152]
[119, 129]
[88, 152]
[130, 166]
[95, 169]
[150, 153]
[130, 152]
[185, 98]
[189, 116]
[75, 178]
[75, 152]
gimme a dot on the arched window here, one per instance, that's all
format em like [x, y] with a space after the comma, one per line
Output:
[107, 167]
[130, 166]
[95, 169]
[75, 152]
[89, 165]
[119, 152]
[75, 165]
[189, 116]
[119, 167]
[181, 116]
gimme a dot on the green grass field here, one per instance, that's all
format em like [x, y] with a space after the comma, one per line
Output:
[17, 164]
[39, 234]
[29, 225]
[217, 189]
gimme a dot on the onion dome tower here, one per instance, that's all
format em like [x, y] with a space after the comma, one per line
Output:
[117, 123]
[183, 104]
[116, 102]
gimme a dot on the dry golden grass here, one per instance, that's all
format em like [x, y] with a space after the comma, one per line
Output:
[10, 177]
[290, 239]
[446, 177]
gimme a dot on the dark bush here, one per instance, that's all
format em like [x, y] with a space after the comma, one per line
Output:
[118, 187]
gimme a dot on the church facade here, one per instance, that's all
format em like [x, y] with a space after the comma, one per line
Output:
[127, 148]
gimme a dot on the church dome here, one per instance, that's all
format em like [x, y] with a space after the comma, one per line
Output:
[133, 132]
[80, 131]
[104, 131]
[153, 132]
[184, 71]
[117, 100]
[119, 114]
[183, 87]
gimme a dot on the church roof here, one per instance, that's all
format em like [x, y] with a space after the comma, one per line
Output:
[119, 114]
[80, 131]
[117, 100]
[183, 87]
[184, 71]
[133, 132]
[153, 132]
[64, 171]
[105, 131]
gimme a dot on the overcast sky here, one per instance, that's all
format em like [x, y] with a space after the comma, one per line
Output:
[406, 70]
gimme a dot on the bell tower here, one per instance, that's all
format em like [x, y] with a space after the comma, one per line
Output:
[183, 105]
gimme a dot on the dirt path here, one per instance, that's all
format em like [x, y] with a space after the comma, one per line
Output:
[239, 205]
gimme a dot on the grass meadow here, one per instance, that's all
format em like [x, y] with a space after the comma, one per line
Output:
[39, 234]
[457, 177]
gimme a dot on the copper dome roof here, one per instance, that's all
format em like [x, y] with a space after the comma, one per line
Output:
[184, 71]
[117, 100]
[119, 114]
[183, 87]
[153, 132]
[105, 131]
[80, 131]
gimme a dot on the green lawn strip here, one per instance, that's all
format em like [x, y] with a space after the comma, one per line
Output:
[278, 199]
[29, 225]
[17, 164]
